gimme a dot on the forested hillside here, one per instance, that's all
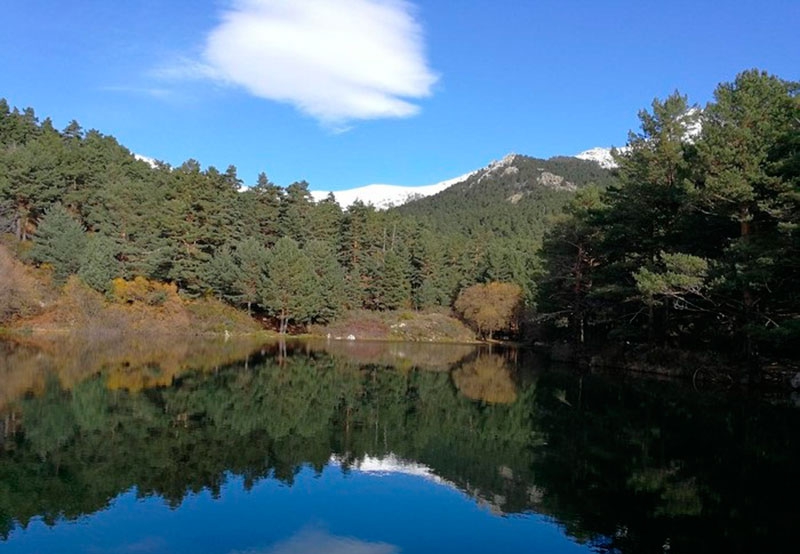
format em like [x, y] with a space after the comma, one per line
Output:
[691, 242]
[504, 209]
[511, 198]
[79, 203]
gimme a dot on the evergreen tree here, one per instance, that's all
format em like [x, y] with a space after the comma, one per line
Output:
[223, 274]
[292, 286]
[647, 213]
[571, 257]
[99, 264]
[32, 180]
[259, 208]
[743, 126]
[331, 293]
[252, 263]
[326, 219]
[296, 212]
[389, 288]
[60, 242]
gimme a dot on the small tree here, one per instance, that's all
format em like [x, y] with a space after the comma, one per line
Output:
[292, 286]
[491, 307]
[251, 259]
[99, 264]
[222, 273]
[331, 295]
[60, 242]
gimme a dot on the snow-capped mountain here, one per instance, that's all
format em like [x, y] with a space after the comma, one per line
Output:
[598, 154]
[385, 196]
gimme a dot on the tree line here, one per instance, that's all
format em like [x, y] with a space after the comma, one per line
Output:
[697, 243]
[691, 242]
[79, 203]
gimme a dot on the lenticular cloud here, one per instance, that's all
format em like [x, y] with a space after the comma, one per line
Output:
[336, 60]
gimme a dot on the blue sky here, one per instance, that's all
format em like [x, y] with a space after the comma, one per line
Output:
[344, 93]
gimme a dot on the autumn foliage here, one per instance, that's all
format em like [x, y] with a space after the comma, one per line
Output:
[488, 379]
[142, 291]
[20, 293]
[491, 307]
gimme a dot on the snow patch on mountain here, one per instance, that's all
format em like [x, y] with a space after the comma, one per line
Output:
[505, 166]
[600, 155]
[383, 196]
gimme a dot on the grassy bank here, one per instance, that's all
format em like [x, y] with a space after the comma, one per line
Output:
[398, 325]
[133, 307]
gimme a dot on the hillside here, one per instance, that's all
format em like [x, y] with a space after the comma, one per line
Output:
[511, 198]
[384, 196]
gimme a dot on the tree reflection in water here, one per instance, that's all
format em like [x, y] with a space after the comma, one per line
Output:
[624, 466]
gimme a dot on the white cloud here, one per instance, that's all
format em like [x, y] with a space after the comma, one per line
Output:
[155, 92]
[313, 541]
[336, 60]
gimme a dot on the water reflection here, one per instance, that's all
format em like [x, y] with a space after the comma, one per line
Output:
[621, 466]
[313, 541]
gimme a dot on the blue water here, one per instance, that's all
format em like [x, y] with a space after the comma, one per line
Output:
[335, 512]
[310, 451]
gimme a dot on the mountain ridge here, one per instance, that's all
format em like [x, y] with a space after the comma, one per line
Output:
[384, 196]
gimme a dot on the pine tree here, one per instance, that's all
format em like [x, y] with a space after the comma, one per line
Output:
[259, 209]
[222, 273]
[742, 128]
[60, 242]
[331, 294]
[251, 276]
[99, 264]
[295, 212]
[292, 286]
[390, 288]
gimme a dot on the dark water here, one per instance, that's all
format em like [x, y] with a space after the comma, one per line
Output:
[378, 449]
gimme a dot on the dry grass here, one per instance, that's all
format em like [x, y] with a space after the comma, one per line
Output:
[22, 292]
[158, 311]
[400, 325]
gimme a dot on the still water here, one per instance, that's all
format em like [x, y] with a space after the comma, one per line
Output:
[379, 449]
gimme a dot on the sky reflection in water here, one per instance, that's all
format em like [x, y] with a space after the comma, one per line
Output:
[332, 512]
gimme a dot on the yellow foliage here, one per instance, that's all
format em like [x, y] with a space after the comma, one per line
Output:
[21, 293]
[142, 291]
[488, 378]
[491, 307]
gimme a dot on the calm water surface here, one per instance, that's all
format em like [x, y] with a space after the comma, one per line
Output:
[378, 449]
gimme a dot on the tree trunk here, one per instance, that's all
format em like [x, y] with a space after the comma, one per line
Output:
[747, 297]
[284, 322]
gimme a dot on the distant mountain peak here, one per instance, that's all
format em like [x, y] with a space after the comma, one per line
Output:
[505, 166]
[598, 154]
[383, 196]
[509, 168]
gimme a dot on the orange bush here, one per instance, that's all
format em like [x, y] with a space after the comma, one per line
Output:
[142, 291]
[491, 307]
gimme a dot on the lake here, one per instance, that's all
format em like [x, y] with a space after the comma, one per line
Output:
[378, 448]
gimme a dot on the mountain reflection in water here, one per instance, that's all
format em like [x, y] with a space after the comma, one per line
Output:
[463, 438]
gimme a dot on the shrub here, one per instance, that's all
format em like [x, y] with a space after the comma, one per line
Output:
[142, 291]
